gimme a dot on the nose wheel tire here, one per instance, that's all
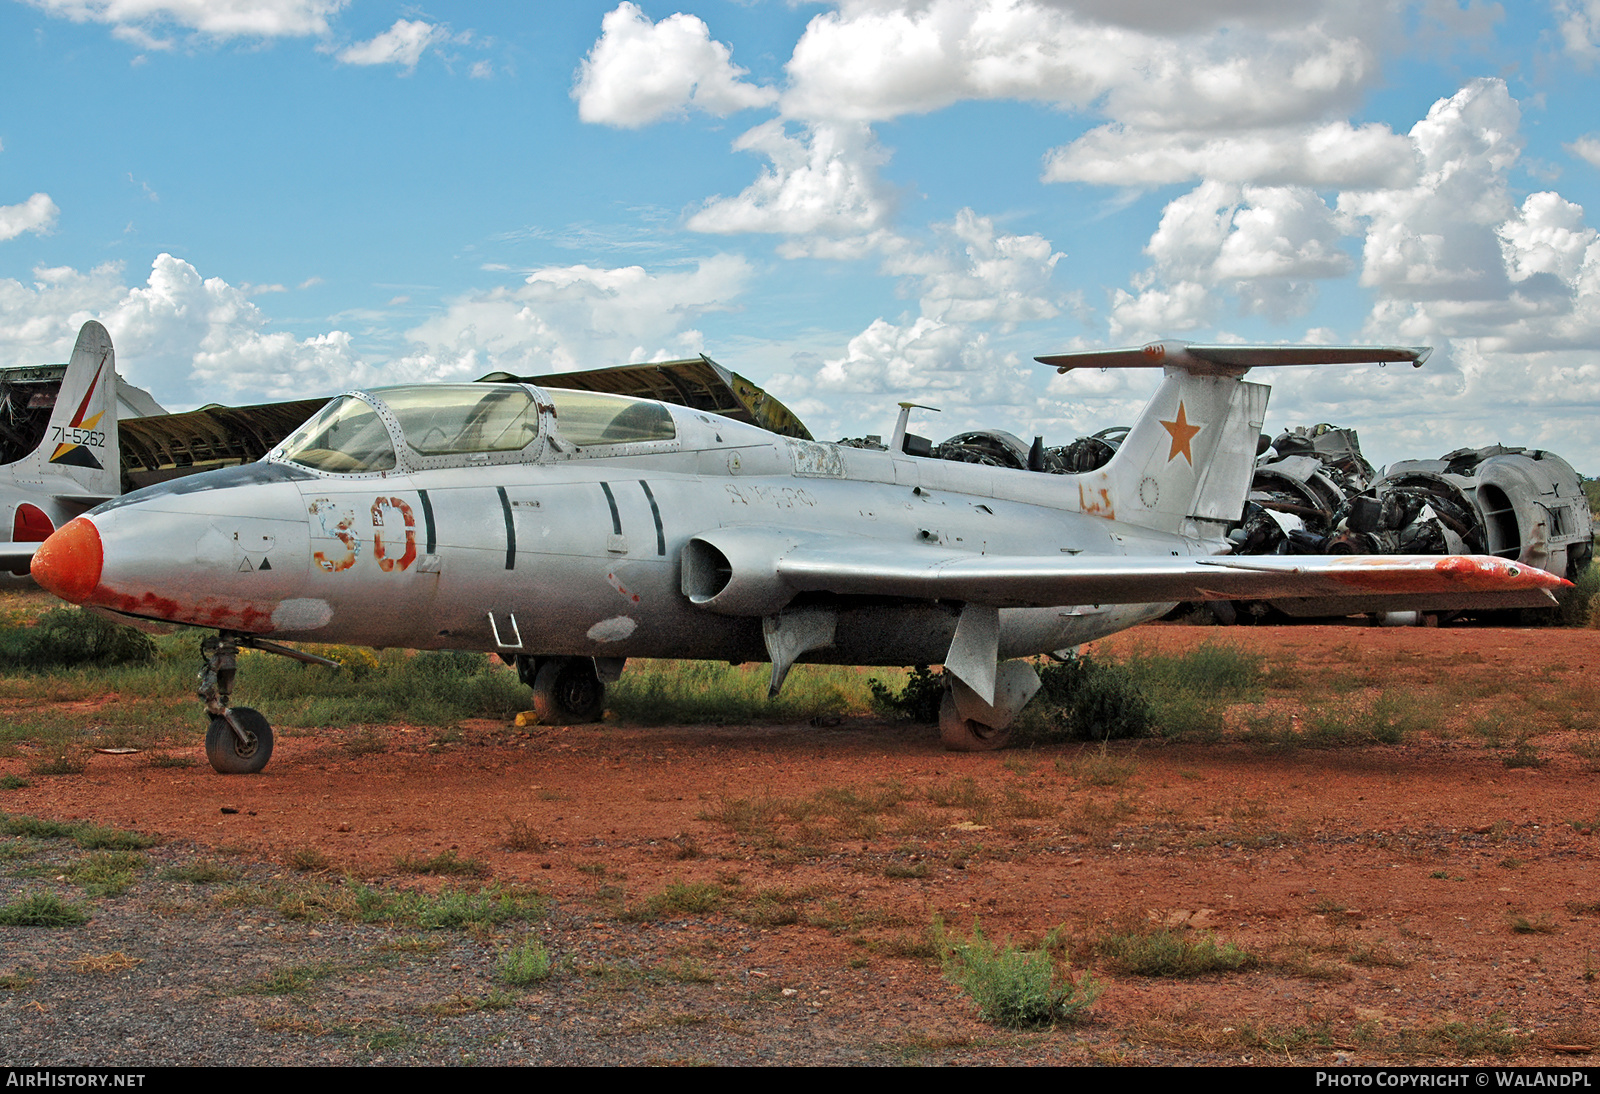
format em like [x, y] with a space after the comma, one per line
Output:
[963, 734]
[566, 690]
[231, 756]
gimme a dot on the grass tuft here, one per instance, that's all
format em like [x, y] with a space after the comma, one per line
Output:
[524, 964]
[42, 910]
[444, 864]
[1146, 951]
[679, 898]
[1013, 987]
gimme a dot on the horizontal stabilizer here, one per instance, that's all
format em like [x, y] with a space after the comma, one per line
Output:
[1231, 360]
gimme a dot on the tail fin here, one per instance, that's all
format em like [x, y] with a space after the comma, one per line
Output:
[1185, 466]
[79, 455]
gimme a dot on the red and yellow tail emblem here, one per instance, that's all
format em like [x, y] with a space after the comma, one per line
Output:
[75, 440]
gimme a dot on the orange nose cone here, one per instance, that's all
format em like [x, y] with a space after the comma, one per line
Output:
[69, 562]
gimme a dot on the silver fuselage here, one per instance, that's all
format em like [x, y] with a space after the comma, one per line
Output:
[563, 550]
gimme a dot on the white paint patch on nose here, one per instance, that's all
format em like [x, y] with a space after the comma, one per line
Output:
[304, 614]
[614, 629]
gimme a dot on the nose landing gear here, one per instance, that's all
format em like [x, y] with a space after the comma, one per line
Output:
[239, 739]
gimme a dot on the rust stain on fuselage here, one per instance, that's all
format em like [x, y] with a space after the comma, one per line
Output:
[1096, 502]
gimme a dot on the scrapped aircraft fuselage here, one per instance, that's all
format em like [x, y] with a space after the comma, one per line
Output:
[570, 530]
[571, 550]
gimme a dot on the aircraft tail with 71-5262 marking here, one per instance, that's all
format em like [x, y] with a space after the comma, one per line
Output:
[76, 465]
[568, 531]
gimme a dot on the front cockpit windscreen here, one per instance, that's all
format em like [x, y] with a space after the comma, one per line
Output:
[346, 437]
[456, 419]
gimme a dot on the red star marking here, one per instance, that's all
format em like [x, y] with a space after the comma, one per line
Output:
[1182, 433]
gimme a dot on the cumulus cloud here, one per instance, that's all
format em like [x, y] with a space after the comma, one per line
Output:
[402, 44]
[974, 281]
[1337, 154]
[1580, 28]
[821, 188]
[981, 275]
[193, 339]
[37, 214]
[1266, 245]
[1586, 148]
[874, 61]
[212, 18]
[1436, 239]
[188, 338]
[573, 317]
[640, 72]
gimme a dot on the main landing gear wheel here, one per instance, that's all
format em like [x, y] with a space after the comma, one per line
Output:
[963, 734]
[566, 690]
[231, 756]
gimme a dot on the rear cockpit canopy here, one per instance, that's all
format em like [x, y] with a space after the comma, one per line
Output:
[589, 418]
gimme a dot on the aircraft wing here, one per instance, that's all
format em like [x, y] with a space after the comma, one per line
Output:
[766, 568]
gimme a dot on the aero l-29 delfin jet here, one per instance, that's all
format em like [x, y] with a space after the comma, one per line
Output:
[568, 531]
[75, 465]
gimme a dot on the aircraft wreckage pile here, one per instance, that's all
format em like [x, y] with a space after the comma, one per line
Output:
[1314, 493]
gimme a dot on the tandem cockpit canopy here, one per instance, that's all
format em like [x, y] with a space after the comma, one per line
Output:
[350, 436]
[455, 424]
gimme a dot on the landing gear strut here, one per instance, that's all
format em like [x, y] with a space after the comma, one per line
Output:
[565, 689]
[239, 739]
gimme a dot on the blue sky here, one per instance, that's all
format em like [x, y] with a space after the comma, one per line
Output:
[852, 203]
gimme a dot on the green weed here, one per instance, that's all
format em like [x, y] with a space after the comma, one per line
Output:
[293, 979]
[308, 860]
[107, 873]
[444, 864]
[200, 873]
[524, 964]
[42, 910]
[91, 837]
[60, 763]
[704, 692]
[1013, 987]
[679, 898]
[16, 980]
[1146, 951]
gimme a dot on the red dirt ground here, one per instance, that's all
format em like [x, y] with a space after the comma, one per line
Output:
[1390, 889]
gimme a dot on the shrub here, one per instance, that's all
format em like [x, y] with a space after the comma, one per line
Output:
[917, 700]
[1088, 699]
[1012, 987]
[1575, 606]
[71, 636]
